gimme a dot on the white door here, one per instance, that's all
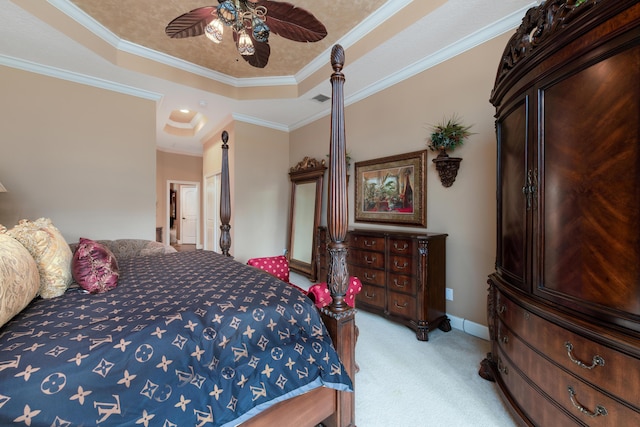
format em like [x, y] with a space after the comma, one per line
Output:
[188, 214]
[212, 213]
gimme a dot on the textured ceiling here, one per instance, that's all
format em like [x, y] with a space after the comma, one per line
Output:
[121, 45]
[143, 22]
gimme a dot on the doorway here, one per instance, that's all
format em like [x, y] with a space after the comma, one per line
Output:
[183, 213]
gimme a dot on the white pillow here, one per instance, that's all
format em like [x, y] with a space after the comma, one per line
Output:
[19, 279]
[50, 251]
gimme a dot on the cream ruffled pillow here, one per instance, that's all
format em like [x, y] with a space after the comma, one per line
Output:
[19, 279]
[50, 252]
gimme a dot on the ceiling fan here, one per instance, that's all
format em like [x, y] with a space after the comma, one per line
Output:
[251, 22]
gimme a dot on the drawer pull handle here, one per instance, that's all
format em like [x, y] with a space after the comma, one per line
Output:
[400, 267]
[366, 294]
[403, 248]
[395, 302]
[398, 285]
[369, 244]
[502, 368]
[600, 410]
[366, 276]
[502, 309]
[369, 260]
[504, 339]
[597, 360]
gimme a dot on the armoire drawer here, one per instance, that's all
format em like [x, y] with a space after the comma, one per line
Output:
[579, 399]
[366, 258]
[535, 405]
[371, 295]
[613, 371]
[401, 305]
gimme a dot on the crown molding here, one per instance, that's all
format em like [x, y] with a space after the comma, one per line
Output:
[71, 76]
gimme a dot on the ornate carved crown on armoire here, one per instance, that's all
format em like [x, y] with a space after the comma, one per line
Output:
[564, 300]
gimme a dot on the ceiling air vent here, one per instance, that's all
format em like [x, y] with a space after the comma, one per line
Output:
[321, 98]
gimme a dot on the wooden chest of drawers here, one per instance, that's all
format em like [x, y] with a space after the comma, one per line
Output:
[402, 275]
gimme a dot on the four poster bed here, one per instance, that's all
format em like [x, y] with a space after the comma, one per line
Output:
[191, 338]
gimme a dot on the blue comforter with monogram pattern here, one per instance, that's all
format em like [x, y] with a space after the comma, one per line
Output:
[186, 339]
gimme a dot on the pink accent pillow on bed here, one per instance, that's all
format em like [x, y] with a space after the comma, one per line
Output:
[275, 265]
[94, 267]
[320, 295]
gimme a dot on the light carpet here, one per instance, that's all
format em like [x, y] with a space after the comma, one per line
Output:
[404, 382]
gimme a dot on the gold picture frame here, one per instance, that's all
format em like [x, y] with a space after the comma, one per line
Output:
[392, 190]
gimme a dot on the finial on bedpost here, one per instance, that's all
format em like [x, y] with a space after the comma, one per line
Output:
[225, 198]
[337, 219]
[337, 58]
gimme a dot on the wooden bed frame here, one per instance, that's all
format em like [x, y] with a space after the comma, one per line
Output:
[323, 405]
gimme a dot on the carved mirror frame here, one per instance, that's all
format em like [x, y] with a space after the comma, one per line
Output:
[304, 215]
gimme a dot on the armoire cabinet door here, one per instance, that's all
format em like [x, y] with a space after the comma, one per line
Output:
[513, 202]
[590, 221]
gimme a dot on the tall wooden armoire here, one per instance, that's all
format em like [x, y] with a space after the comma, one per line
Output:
[564, 300]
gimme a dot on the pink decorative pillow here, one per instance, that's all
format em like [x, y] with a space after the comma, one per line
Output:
[276, 265]
[320, 295]
[355, 286]
[94, 267]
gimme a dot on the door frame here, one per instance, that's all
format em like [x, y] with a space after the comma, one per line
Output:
[167, 231]
[216, 216]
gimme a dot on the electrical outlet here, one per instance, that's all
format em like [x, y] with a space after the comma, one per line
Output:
[449, 294]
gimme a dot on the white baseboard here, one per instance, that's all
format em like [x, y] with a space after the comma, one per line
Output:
[471, 328]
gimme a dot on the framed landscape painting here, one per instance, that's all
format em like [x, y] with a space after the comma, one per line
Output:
[392, 190]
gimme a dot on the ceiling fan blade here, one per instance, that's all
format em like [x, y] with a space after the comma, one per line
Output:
[260, 58]
[292, 22]
[192, 23]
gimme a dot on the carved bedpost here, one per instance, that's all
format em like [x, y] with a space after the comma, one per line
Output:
[339, 317]
[225, 198]
[337, 220]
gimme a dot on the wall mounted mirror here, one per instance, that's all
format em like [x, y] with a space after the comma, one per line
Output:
[304, 215]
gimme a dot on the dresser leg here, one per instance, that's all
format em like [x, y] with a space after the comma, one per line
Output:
[445, 325]
[485, 369]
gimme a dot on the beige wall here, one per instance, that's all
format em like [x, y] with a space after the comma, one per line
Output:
[178, 168]
[82, 156]
[396, 121]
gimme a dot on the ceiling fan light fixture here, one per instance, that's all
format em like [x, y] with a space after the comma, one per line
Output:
[260, 30]
[227, 12]
[214, 30]
[245, 45]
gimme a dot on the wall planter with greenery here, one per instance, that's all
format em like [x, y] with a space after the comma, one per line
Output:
[447, 135]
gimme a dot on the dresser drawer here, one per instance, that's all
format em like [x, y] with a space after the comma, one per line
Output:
[401, 305]
[366, 258]
[371, 295]
[578, 398]
[402, 283]
[401, 246]
[615, 372]
[401, 264]
[372, 243]
[537, 407]
[367, 275]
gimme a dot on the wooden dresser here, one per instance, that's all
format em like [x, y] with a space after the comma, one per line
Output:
[564, 300]
[402, 274]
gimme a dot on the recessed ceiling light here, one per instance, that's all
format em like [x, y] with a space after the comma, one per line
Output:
[184, 110]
